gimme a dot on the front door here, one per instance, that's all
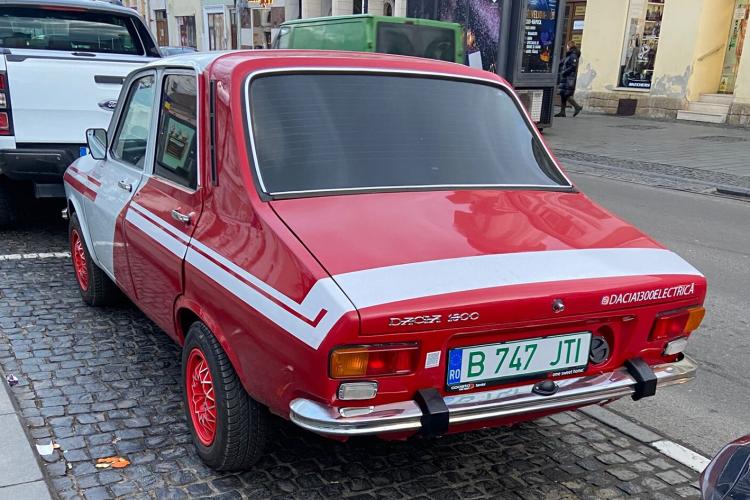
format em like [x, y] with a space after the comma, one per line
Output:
[120, 176]
[737, 33]
[162, 215]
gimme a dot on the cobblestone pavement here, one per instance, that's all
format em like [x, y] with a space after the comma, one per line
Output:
[106, 381]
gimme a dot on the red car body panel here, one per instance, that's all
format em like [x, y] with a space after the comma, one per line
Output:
[283, 255]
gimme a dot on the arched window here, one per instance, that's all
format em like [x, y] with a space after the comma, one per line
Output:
[388, 8]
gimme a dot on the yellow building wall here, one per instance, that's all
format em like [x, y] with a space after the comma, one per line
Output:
[601, 45]
[676, 51]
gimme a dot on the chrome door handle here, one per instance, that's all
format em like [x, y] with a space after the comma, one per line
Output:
[124, 185]
[181, 217]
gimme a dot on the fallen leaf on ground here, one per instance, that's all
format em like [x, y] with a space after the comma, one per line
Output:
[115, 462]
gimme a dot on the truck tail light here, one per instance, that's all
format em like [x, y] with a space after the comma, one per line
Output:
[372, 361]
[4, 123]
[676, 323]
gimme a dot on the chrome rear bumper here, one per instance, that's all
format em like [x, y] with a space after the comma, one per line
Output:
[492, 404]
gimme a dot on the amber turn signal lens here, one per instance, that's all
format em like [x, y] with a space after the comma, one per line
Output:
[370, 361]
[675, 323]
[695, 319]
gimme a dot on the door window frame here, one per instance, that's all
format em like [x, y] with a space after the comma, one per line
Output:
[117, 122]
[150, 170]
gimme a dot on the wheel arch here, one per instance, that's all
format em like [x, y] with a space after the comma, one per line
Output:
[187, 312]
[74, 207]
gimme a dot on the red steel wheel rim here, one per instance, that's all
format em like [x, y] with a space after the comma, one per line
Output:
[200, 397]
[79, 260]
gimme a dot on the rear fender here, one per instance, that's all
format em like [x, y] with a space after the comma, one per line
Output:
[185, 305]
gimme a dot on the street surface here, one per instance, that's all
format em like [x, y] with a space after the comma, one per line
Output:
[712, 234]
[102, 382]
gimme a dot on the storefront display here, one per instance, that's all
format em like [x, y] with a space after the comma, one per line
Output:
[736, 40]
[539, 40]
[641, 43]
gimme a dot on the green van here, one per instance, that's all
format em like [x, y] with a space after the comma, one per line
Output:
[368, 33]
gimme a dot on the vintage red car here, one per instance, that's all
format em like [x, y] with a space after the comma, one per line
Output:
[366, 244]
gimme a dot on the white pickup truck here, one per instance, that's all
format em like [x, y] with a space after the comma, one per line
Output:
[62, 64]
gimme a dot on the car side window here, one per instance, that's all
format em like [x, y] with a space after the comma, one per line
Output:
[176, 148]
[131, 140]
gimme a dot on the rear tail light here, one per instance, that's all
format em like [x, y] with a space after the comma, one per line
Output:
[676, 323]
[372, 361]
[5, 115]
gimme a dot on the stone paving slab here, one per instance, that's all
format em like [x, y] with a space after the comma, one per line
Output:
[106, 381]
[709, 148]
[20, 475]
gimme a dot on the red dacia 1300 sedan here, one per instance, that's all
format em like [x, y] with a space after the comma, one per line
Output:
[366, 244]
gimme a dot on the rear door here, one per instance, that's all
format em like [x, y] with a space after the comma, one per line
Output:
[120, 175]
[164, 211]
[65, 67]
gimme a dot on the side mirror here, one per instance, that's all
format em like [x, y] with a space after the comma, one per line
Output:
[96, 139]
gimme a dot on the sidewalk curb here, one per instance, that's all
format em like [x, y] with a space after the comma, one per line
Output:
[675, 451]
[21, 474]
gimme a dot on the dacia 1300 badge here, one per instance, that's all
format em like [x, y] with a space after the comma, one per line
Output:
[328, 238]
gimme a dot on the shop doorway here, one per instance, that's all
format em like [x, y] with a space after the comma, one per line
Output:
[162, 30]
[737, 32]
[573, 23]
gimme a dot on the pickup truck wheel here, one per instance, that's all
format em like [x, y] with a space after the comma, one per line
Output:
[7, 205]
[96, 288]
[229, 428]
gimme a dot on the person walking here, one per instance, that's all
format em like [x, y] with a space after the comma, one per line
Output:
[567, 79]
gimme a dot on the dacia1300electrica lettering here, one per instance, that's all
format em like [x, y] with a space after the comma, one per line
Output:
[329, 239]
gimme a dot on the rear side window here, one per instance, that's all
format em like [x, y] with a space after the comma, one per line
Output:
[71, 30]
[176, 145]
[418, 41]
[335, 132]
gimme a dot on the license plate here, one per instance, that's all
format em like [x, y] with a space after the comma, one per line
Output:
[479, 365]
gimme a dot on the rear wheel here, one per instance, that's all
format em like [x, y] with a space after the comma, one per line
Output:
[7, 204]
[96, 288]
[229, 428]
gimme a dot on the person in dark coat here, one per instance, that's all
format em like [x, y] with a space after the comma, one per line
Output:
[567, 79]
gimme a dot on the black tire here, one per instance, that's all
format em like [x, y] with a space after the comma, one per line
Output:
[100, 290]
[241, 423]
[7, 204]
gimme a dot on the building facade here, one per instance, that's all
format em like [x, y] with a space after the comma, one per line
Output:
[664, 58]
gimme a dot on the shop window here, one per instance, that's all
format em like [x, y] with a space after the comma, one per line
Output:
[641, 43]
[186, 27]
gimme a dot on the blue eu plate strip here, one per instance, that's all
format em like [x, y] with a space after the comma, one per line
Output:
[454, 366]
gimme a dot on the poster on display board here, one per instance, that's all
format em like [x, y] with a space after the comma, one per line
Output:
[538, 45]
[479, 18]
[640, 44]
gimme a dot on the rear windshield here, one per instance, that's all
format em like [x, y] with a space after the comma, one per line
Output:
[73, 30]
[328, 132]
[419, 41]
